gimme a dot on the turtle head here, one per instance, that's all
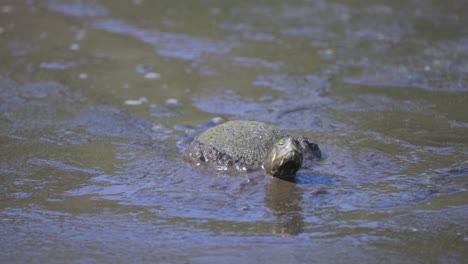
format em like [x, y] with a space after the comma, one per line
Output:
[284, 158]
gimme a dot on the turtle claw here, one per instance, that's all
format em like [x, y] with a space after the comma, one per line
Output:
[309, 148]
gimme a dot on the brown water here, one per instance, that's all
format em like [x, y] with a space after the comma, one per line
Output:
[91, 136]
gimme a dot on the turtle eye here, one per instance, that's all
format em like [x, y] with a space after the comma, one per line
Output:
[281, 142]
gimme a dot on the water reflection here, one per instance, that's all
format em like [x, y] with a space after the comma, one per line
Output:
[284, 199]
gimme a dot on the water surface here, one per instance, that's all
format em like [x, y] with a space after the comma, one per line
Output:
[99, 99]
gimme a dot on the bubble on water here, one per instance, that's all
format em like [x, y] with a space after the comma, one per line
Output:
[172, 102]
[327, 54]
[222, 168]
[132, 102]
[74, 46]
[140, 101]
[83, 76]
[157, 127]
[217, 120]
[153, 76]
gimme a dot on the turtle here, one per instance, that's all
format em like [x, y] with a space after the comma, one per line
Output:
[245, 145]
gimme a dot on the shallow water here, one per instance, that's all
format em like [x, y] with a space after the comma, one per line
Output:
[99, 99]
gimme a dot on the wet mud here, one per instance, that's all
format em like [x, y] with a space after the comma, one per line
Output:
[99, 99]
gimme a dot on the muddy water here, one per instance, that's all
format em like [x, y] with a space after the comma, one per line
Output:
[98, 99]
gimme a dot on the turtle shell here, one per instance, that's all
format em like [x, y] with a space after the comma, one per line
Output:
[234, 142]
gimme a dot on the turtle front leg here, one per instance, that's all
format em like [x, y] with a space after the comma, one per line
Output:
[309, 148]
